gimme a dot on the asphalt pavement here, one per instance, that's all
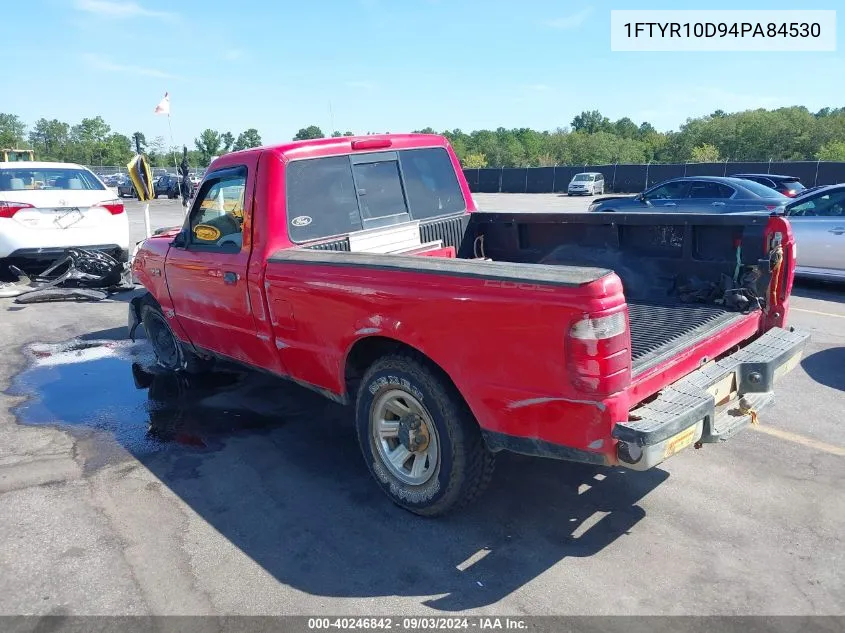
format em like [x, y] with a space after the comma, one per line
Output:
[248, 495]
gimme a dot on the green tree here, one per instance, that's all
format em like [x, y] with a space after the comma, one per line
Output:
[246, 139]
[208, 145]
[645, 129]
[12, 131]
[474, 161]
[310, 132]
[835, 150]
[88, 138]
[50, 139]
[705, 153]
[117, 149]
[226, 140]
[590, 122]
[626, 128]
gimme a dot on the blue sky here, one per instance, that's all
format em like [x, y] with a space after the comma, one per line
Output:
[384, 65]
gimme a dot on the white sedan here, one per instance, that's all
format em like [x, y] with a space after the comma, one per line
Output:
[47, 207]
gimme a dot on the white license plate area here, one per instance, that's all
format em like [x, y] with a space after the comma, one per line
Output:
[65, 217]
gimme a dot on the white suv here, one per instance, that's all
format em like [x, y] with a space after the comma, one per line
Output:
[47, 207]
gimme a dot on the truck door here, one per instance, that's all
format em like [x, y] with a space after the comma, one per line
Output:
[207, 271]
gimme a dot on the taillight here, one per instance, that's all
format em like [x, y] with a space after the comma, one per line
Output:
[599, 355]
[115, 207]
[9, 209]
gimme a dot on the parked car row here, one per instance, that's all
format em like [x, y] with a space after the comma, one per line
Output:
[166, 184]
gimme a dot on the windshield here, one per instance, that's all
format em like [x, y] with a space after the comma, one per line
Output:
[583, 177]
[761, 190]
[69, 178]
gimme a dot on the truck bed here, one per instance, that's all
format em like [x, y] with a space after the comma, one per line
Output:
[661, 330]
[654, 255]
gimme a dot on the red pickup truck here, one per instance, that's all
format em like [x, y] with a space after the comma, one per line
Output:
[360, 268]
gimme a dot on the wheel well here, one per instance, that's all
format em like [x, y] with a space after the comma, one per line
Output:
[368, 350]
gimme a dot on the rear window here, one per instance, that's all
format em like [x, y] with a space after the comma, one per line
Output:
[430, 183]
[761, 190]
[48, 178]
[793, 185]
[342, 194]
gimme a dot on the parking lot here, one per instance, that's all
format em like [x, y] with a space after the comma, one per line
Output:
[251, 496]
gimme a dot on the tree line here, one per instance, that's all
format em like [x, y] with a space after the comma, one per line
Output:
[93, 142]
[782, 134]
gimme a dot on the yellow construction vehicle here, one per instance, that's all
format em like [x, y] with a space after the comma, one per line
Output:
[14, 155]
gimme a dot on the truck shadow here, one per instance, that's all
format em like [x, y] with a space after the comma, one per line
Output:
[825, 367]
[276, 469]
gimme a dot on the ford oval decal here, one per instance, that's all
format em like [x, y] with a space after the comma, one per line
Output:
[301, 220]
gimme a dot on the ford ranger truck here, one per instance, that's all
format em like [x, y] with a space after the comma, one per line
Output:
[360, 268]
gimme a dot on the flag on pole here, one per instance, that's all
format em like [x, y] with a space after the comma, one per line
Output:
[163, 106]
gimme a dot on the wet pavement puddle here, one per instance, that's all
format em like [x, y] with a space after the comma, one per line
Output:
[114, 387]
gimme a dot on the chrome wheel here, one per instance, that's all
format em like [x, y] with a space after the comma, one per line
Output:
[405, 437]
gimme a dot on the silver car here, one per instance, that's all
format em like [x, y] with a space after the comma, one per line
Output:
[590, 183]
[818, 221]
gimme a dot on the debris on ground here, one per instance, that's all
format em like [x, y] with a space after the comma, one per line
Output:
[78, 275]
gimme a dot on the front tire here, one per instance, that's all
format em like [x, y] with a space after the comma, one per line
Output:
[419, 439]
[170, 352]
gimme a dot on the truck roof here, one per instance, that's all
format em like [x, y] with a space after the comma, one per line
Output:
[312, 148]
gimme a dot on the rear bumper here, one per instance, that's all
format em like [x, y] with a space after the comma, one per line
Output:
[38, 259]
[711, 404]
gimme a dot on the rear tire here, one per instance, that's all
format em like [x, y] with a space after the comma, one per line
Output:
[170, 352]
[403, 403]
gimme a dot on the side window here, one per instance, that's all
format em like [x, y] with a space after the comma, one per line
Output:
[704, 189]
[431, 184]
[218, 214]
[828, 205]
[380, 193]
[321, 200]
[667, 191]
[600, 178]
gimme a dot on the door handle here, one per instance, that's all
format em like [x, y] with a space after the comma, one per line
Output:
[718, 204]
[838, 230]
[670, 204]
[230, 277]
